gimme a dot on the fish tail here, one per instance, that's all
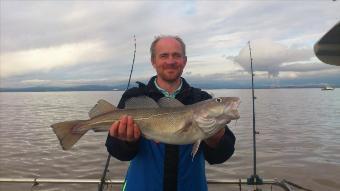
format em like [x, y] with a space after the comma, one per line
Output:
[65, 133]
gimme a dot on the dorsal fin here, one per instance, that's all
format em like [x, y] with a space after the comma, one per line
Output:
[169, 102]
[140, 102]
[100, 108]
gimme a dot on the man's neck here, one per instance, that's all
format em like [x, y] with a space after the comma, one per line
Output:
[169, 86]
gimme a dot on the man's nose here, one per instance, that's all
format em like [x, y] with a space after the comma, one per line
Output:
[171, 60]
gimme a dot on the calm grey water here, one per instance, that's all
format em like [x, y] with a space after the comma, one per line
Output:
[299, 138]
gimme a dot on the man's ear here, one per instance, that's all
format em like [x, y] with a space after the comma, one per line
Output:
[185, 60]
[152, 62]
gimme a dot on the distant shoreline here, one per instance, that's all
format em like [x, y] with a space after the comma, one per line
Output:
[70, 89]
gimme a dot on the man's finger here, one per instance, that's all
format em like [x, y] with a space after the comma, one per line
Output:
[136, 131]
[129, 129]
[122, 127]
[114, 129]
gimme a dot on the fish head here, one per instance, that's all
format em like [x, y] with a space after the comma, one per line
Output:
[213, 114]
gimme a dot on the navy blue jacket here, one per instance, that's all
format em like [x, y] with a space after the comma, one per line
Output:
[157, 166]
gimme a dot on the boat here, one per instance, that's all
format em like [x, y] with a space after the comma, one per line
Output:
[327, 88]
[327, 48]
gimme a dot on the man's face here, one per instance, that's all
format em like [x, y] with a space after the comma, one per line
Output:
[169, 60]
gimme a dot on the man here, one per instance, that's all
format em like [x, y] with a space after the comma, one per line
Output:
[158, 166]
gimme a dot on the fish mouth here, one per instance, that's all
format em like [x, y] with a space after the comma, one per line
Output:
[235, 104]
[232, 108]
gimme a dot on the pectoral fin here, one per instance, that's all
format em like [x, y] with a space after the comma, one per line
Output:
[186, 127]
[207, 125]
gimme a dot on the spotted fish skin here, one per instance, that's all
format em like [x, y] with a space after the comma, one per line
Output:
[166, 121]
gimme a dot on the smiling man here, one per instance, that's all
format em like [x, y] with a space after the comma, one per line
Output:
[158, 166]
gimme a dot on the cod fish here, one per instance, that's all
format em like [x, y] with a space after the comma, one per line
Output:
[166, 121]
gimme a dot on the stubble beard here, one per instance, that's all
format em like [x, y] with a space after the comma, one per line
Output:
[172, 77]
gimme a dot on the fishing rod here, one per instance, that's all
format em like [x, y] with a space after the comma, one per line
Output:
[102, 180]
[254, 179]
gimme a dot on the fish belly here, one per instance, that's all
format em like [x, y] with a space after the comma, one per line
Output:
[175, 128]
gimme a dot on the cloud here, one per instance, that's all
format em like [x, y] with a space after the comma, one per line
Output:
[46, 59]
[66, 41]
[77, 82]
[35, 82]
[37, 24]
[307, 67]
[270, 56]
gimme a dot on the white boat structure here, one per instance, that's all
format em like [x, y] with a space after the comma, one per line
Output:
[327, 88]
[327, 49]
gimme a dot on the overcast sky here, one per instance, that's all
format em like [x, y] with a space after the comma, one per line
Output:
[56, 43]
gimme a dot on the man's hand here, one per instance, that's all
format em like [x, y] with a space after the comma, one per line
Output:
[215, 139]
[125, 129]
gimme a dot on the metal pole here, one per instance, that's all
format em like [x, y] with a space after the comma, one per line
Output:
[37, 181]
[59, 181]
[116, 181]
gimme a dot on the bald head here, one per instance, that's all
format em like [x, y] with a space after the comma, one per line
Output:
[158, 38]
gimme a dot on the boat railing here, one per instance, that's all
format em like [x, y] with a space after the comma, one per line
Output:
[283, 184]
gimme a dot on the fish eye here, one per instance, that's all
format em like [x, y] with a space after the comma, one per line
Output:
[219, 100]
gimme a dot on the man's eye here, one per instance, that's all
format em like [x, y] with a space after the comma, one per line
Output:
[177, 55]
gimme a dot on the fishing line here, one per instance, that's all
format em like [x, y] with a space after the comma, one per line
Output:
[102, 180]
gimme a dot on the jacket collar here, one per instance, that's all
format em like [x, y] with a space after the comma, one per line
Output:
[184, 91]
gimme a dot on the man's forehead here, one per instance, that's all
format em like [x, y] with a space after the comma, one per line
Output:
[169, 41]
[168, 44]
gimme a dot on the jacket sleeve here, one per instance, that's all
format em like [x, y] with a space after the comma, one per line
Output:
[223, 151]
[119, 149]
